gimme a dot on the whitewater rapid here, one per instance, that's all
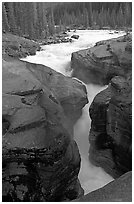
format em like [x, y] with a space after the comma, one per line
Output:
[58, 57]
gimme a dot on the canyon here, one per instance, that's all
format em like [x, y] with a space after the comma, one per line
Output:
[41, 108]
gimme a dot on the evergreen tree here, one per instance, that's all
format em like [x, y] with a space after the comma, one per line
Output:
[45, 23]
[108, 17]
[19, 11]
[85, 18]
[42, 25]
[51, 23]
[10, 14]
[112, 20]
[120, 17]
[127, 14]
[90, 13]
[37, 19]
[95, 17]
[5, 25]
[52, 19]
[29, 19]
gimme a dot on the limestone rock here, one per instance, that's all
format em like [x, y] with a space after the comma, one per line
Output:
[111, 129]
[119, 190]
[102, 62]
[41, 161]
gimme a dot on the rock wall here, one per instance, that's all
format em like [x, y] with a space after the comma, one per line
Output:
[111, 127]
[105, 60]
[110, 135]
[119, 190]
[71, 93]
[40, 159]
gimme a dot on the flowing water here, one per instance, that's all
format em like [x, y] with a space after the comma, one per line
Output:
[58, 57]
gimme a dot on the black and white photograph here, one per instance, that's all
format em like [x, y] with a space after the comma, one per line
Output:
[66, 101]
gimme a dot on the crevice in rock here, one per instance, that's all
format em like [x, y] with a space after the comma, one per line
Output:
[5, 124]
[31, 125]
[25, 93]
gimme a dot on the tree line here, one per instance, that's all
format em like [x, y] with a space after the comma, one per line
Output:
[112, 14]
[38, 19]
[28, 19]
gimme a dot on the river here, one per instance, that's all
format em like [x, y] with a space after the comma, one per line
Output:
[58, 57]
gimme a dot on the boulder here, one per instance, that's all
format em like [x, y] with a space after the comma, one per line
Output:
[18, 47]
[119, 190]
[111, 129]
[60, 39]
[40, 159]
[75, 36]
[105, 60]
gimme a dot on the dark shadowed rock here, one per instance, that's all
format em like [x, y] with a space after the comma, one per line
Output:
[111, 129]
[100, 63]
[75, 36]
[40, 159]
[119, 190]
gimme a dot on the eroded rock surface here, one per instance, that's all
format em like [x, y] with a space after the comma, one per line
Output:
[111, 127]
[41, 161]
[102, 62]
[71, 93]
[119, 190]
[18, 47]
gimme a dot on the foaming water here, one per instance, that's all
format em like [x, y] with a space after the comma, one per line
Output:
[58, 57]
[90, 176]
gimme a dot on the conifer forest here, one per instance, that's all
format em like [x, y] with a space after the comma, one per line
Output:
[42, 19]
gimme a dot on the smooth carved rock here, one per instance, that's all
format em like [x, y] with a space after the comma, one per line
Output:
[71, 94]
[41, 161]
[102, 62]
[119, 190]
[111, 129]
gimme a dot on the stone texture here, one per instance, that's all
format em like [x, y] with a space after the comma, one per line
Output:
[111, 129]
[105, 60]
[71, 93]
[119, 190]
[18, 47]
[40, 159]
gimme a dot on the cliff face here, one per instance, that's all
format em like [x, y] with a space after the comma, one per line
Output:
[111, 129]
[107, 59]
[111, 110]
[40, 159]
[110, 136]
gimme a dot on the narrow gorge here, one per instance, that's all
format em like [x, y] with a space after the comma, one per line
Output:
[66, 118]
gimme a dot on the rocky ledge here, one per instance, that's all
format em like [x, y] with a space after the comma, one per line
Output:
[105, 60]
[40, 159]
[111, 127]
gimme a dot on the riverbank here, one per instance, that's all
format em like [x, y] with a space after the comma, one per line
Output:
[39, 109]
